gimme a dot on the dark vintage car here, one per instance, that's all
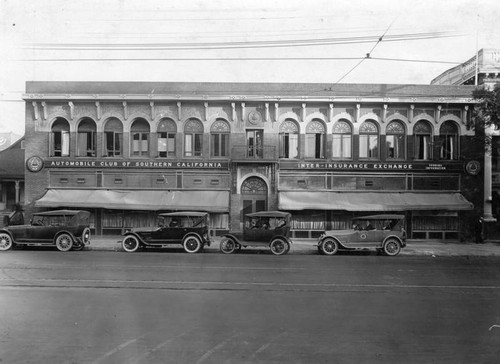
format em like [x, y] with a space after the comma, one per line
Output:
[64, 229]
[270, 229]
[385, 233]
[189, 229]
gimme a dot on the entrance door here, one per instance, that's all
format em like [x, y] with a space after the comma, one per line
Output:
[253, 196]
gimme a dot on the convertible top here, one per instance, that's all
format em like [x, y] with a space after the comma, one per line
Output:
[269, 214]
[61, 212]
[184, 213]
[381, 217]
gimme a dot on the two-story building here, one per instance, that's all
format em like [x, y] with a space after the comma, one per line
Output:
[326, 153]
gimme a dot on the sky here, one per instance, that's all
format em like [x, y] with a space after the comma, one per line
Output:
[314, 41]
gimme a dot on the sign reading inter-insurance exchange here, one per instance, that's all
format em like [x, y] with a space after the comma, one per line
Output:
[374, 167]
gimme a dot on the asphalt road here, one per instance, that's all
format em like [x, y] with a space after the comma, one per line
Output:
[172, 307]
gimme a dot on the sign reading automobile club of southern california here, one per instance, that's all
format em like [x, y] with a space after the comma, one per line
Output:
[150, 164]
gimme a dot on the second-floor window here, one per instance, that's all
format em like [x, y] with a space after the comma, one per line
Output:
[113, 138]
[139, 132]
[219, 138]
[368, 140]
[193, 138]
[315, 140]
[448, 135]
[395, 140]
[289, 140]
[422, 134]
[59, 139]
[166, 135]
[342, 140]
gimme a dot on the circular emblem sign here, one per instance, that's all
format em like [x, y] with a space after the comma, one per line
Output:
[254, 117]
[473, 168]
[34, 164]
[363, 236]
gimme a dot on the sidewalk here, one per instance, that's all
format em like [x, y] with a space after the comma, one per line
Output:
[308, 246]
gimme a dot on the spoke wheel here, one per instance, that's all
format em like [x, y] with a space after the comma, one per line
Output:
[130, 243]
[5, 242]
[227, 246]
[392, 247]
[279, 246]
[192, 244]
[64, 242]
[329, 247]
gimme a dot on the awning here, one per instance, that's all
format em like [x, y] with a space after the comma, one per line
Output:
[210, 201]
[372, 201]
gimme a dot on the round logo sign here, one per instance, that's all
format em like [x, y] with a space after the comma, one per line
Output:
[254, 117]
[34, 164]
[473, 168]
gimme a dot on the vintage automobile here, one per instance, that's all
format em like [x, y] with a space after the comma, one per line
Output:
[385, 233]
[187, 228]
[261, 229]
[64, 229]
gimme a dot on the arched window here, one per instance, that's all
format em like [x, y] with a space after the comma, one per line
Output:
[368, 140]
[59, 138]
[140, 138]
[342, 140]
[86, 139]
[395, 140]
[423, 140]
[219, 138]
[193, 138]
[315, 140]
[166, 133]
[289, 139]
[113, 138]
[448, 137]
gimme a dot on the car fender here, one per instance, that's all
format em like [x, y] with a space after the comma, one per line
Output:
[288, 240]
[128, 233]
[65, 232]
[193, 234]
[9, 233]
[320, 241]
[394, 237]
[232, 237]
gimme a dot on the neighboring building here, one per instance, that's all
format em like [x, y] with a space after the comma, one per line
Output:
[7, 139]
[12, 169]
[487, 68]
[323, 152]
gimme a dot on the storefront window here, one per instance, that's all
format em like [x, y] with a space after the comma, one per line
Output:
[342, 140]
[219, 138]
[166, 133]
[448, 137]
[140, 138]
[368, 141]
[113, 138]
[423, 140]
[289, 140]
[315, 140]
[59, 139]
[193, 138]
[395, 140]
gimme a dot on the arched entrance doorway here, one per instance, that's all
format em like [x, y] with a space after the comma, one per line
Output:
[253, 195]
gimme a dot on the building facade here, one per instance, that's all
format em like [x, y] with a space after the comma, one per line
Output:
[12, 169]
[125, 151]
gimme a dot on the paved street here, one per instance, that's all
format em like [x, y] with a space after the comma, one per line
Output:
[172, 307]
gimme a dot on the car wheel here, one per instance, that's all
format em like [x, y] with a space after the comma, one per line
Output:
[279, 246]
[5, 242]
[329, 246]
[192, 244]
[64, 242]
[130, 243]
[392, 247]
[227, 246]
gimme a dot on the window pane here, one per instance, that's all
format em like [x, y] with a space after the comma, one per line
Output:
[363, 146]
[346, 146]
[188, 145]
[293, 146]
[198, 144]
[171, 144]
